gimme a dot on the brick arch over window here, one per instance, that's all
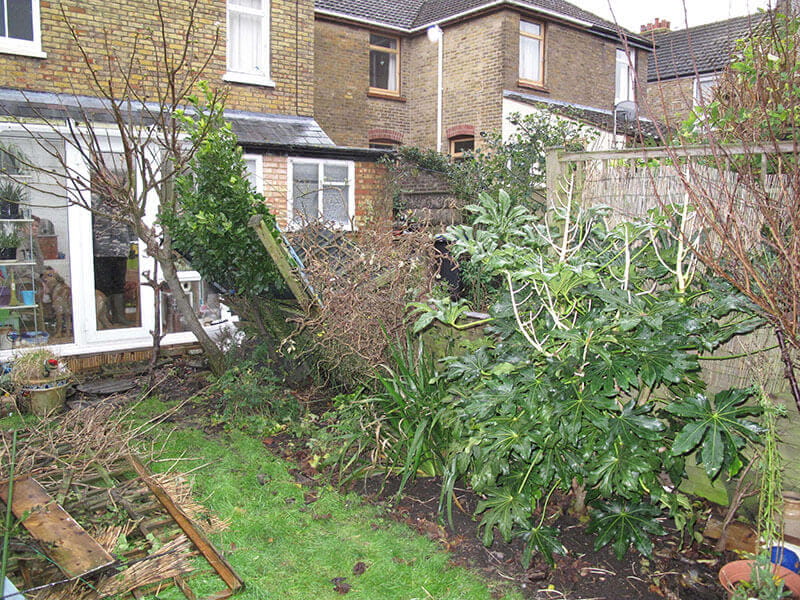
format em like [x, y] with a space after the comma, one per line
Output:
[384, 135]
[460, 131]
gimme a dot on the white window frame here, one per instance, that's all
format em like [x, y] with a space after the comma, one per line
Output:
[250, 77]
[697, 88]
[351, 195]
[257, 172]
[541, 40]
[32, 48]
[627, 60]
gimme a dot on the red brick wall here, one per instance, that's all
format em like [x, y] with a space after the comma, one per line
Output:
[373, 206]
[102, 25]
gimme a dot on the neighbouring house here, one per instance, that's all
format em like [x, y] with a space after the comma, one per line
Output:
[437, 74]
[686, 63]
[261, 50]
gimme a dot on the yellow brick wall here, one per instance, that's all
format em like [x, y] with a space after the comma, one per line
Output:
[127, 31]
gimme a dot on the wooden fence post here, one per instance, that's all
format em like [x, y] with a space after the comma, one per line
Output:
[554, 174]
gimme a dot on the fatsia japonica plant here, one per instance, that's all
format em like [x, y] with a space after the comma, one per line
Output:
[592, 382]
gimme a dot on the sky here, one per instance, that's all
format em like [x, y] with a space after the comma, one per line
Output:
[633, 13]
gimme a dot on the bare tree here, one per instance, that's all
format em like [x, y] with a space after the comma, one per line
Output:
[747, 191]
[141, 81]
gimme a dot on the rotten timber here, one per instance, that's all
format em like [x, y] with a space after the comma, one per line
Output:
[64, 541]
[281, 259]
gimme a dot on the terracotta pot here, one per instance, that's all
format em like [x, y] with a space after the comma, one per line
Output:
[740, 570]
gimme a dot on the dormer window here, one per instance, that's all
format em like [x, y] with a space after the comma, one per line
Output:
[20, 28]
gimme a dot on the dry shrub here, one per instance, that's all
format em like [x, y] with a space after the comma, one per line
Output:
[363, 283]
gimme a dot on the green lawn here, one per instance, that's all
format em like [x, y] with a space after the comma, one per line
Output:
[284, 548]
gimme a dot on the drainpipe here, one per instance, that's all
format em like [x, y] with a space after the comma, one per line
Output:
[435, 35]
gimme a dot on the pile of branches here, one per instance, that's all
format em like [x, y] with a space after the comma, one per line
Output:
[362, 284]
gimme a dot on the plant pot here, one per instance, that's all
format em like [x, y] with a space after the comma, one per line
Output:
[738, 571]
[8, 254]
[9, 209]
[44, 397]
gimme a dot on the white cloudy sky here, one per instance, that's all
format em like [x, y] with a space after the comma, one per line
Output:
[633, 13]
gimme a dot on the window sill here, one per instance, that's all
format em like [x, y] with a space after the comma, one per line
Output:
[385, 95]
[29, 52]
[248, 79]
[532, 85]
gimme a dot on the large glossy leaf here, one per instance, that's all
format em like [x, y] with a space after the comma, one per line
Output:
[624, 524]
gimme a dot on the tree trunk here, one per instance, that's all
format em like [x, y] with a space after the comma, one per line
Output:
[215, 357]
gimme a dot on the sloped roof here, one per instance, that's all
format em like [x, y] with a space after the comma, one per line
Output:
[413, 15]
[589, 115]
[251, 128]
[697, 50]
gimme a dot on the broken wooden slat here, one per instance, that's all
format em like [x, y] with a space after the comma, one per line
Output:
[279, 257]
[198, 538]
[64, 541]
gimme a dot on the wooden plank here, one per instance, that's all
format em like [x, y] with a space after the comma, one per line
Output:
[198, 538]
[64, 541]
[671, 152]
[279, 256]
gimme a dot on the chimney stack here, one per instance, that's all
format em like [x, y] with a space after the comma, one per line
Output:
[657, 26]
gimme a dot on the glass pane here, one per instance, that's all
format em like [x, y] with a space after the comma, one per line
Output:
[530, 28]
[334, 205]
[37, 280]
[380, 40]
[116, 256]
[2, 18]
[305, 185]
[382, 69]
[245, 51]
[251, 166]
[20, 19]
[529, 59]
[461, 146]
[336, 173]
[256, 4]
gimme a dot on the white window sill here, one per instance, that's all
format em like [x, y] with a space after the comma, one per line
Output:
[249, 79]
[5, 48]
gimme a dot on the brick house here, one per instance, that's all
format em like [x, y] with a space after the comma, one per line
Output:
[378, 66]
[261, 50]
[684, 67]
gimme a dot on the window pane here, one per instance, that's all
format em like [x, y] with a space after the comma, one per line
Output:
[116, 257]
[245, 45]
[336, 173]
[385, 42]
[20, 19]
[530, 59]
[461, 146]
[44, 282]
[256, 4]
[382, 70]
[305, 184]
[2, 18]
[334, 204]
[531, 28]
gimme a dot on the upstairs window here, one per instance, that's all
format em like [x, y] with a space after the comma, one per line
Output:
[20, 31]
[321, 190]
[704, 89]
[531, 52]
[248, 42]
[626, 77]
[384, 59]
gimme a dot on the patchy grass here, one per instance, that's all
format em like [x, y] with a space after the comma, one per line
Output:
[288, 540]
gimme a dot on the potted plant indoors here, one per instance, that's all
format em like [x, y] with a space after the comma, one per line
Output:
[40, 379]
[12, 197]
[9, 240]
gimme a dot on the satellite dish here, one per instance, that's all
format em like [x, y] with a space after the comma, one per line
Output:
[626, 111]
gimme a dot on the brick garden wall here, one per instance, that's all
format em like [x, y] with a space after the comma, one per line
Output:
[101, 25]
